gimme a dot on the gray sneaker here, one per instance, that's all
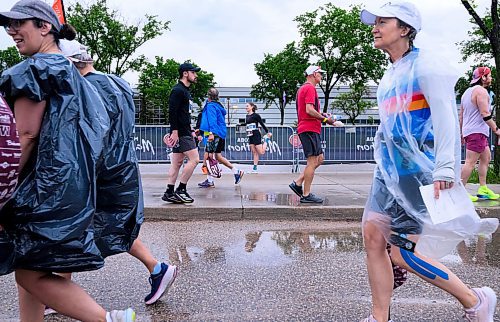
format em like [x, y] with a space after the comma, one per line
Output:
[311, 198]
[486, 309]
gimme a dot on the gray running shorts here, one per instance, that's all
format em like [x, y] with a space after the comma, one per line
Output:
[186, 143]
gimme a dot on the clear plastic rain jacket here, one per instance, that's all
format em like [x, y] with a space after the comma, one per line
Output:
[119, 210]
[417, 143]
[48, 224]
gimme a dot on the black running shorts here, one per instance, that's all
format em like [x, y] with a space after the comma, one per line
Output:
[311, 144]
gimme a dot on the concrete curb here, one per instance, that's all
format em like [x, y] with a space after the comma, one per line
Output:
[188, 213]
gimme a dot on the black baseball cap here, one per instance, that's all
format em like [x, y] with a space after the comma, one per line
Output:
[188, 67]
[29, 9]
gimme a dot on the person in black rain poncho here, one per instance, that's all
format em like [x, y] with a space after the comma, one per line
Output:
[120, 203]
[62, 123]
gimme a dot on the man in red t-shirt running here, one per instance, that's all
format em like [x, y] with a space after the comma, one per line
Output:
[309, 128]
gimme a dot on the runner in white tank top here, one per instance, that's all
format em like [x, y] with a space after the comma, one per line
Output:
[475, 124]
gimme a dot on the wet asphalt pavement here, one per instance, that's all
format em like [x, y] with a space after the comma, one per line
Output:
[269, 271]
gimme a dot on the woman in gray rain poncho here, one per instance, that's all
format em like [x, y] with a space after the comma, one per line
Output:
[48, 225]
[417, 144]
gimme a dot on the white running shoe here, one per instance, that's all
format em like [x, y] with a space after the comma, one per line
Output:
[127, 315]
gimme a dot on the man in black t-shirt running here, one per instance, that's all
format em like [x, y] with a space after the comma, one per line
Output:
[181, 136]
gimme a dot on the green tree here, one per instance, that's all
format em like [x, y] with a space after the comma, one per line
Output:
[341, 45]
[111, 42]
[9, 57]
[156, 81]
[484, 44]
[353, 103]
[280, 76]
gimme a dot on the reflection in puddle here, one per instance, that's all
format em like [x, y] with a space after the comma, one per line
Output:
[487, 203]
[189, 254]
[292, 242]
[482, 251]
[272, 248]
[280, 199]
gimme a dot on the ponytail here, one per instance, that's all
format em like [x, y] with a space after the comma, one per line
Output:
[254, 107]
[67, 32]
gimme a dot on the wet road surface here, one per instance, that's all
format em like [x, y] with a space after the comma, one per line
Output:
[269, 271]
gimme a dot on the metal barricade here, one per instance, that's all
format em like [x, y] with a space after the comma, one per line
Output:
[151, 149]
[149, 144]
[345, 144]
[340, 144]
[279, 149]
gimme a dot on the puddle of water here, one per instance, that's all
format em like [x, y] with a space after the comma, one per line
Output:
[280, 199]
[487, 203]
[270, 248]
[274, 248]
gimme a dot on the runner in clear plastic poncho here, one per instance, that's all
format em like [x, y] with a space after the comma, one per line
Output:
[417, 144]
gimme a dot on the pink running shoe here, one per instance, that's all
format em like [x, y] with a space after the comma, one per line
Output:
[486, 309]
[371, 319]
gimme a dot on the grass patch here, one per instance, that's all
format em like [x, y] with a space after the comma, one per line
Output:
[491, 177]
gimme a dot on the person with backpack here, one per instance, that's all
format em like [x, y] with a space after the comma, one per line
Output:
[213, 127]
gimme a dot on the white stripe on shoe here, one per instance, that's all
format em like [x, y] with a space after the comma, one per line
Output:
[167, 281]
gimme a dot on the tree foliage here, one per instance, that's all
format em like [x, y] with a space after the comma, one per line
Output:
[484, 44]
[111, 41]
[353, 103]
[156, 81]
[280, 76]
[9, 57]
[341, 45]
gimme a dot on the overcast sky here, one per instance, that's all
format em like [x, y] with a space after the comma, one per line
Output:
[227, 37]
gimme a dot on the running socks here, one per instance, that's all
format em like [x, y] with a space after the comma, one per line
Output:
[156, 269]
[182, 186]
[170, 188]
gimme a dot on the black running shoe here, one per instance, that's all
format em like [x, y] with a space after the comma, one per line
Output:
[311, 198]
[296, 188]
[171, 197]
[184, 196]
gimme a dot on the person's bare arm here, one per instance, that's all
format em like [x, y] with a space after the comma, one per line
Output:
[29, 116]
[461, 120]
[483, 104]
[311, 111]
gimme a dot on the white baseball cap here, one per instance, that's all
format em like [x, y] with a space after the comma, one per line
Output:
[313, 69]
[404, 11]
[75, 51]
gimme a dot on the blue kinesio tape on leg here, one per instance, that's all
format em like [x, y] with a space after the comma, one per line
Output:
[429, 267]
[406, 256]
[422, 267]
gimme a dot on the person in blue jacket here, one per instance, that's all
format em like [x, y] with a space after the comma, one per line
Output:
[213, 127]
